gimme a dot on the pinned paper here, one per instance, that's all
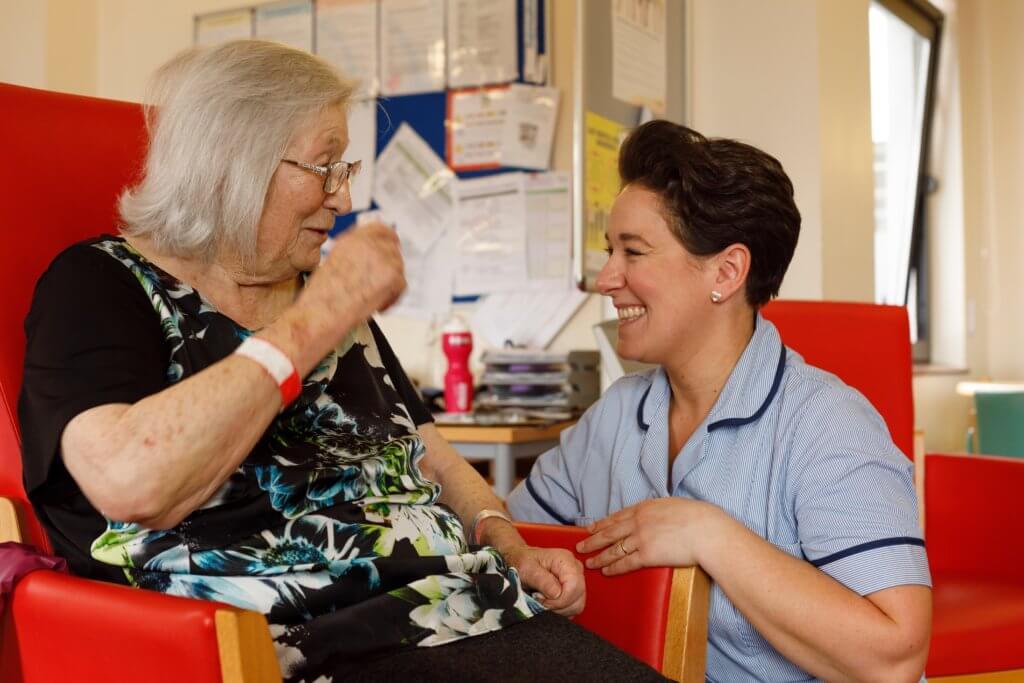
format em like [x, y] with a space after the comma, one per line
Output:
[481, 42]
[346, 36]
[529, 127]
[362, 146]
[414, 186]
[412, 48]
[220, 27]
[639, 53]
[476, 128]
[289, 22]
[490, 235]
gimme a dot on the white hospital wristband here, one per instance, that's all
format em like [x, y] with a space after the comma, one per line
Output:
[277, 365]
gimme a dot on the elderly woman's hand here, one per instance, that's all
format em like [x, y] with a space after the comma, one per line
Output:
[362, 274]
[664, 532]
[554, 572]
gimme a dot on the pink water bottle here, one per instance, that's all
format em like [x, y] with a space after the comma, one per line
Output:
[457, 343]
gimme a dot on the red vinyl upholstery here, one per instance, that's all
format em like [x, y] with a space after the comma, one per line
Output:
[975, 535]
[865, 345]
[66, 159]
[60, 627]
[615, 604]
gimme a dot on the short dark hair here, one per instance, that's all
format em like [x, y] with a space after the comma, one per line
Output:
[718, 192]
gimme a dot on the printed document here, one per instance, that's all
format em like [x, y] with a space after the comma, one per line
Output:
[490, 235]
[413, 185]
[411, 46]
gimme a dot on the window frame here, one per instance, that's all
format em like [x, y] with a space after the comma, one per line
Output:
[927, 21]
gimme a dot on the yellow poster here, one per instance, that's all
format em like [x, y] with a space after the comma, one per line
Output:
[601, 152]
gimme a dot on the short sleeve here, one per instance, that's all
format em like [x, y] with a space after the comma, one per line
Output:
[549, 494]
[410, 397]
[93, 339]
[854, 499]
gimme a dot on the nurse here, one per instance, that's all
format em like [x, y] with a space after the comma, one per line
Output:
[776, 478]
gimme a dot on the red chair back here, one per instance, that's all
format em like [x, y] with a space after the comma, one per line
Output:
[973, 521]
[612, 602]
[66, 159]
[865, 345]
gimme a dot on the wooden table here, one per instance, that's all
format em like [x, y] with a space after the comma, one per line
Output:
[502, 445]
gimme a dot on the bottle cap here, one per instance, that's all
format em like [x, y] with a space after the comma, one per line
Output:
[455, 325]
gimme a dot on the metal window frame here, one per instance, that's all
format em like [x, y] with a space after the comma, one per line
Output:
[926, 20]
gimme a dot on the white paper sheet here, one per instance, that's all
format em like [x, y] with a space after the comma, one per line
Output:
[530, 319]
[639, 52]
[413, 185]
[529, 127]
[346, 36]
[289, 22]
[412, 51]
[362, 135]
[481, 42]
[221, 27]
[490, 235]
[476, 125]
[428, 274]
[549, 230]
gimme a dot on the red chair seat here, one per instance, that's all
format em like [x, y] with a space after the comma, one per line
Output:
[977, 619]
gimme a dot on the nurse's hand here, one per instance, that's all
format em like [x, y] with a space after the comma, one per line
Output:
[554, 572]
[663, 532]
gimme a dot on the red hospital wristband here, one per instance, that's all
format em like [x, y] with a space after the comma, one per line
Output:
[277, 365]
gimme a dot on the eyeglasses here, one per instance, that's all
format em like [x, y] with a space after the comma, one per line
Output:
[334, 174]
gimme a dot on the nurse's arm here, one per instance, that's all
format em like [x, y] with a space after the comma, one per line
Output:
[812, 619]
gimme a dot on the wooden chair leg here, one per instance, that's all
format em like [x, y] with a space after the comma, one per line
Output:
[10, 529]
[686, 639]
[246, 649]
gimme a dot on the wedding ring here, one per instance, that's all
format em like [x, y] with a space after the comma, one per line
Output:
[622, 548]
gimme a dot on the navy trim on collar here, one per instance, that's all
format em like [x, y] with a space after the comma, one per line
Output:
[545, 506]
[640, 410]
[870, 545]
[737, 421]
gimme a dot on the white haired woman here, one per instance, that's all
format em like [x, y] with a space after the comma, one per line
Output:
[209, 413]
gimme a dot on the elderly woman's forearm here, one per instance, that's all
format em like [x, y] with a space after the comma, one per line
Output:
[155, 461]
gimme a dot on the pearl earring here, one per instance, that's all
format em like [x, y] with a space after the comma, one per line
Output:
[716, 296]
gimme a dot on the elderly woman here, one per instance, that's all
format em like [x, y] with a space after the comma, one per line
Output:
[208, 413]
[775, 477]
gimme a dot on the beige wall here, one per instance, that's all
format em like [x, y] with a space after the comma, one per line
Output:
[791, 77]
[49, 44]
[23, 42]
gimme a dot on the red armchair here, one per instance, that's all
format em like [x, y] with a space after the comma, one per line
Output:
[67, 158]
[971, 521]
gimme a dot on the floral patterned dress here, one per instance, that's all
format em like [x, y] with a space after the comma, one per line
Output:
[328, 527]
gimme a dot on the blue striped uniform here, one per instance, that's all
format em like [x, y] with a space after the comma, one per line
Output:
[789, 450]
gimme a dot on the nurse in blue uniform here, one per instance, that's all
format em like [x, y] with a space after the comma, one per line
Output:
[776, 478]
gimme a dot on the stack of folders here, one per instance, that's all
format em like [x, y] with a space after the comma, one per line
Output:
[556, 385]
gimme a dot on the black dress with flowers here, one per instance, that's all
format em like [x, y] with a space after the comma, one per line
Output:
[328, 527]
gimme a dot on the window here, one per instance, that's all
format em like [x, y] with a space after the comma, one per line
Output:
[904, 42]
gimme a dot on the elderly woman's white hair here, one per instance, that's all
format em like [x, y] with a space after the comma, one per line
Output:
[219, 120]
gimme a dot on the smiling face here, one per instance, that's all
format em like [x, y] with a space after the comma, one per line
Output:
[298, 213]
[660, 291]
